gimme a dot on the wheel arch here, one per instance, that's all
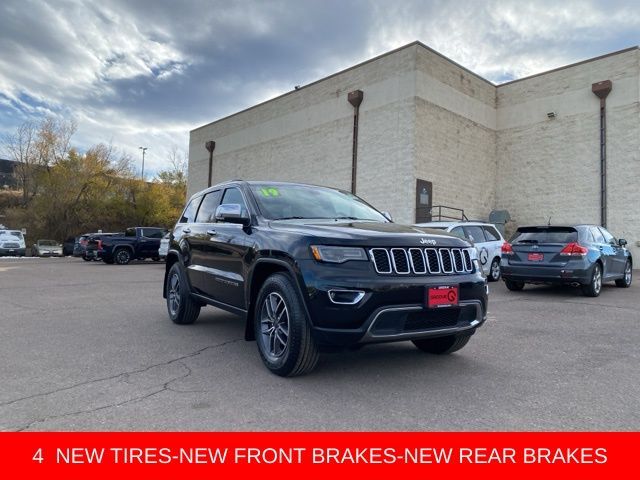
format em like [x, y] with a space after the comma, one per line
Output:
[263, 269]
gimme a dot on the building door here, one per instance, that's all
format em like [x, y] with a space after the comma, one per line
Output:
[424, 200]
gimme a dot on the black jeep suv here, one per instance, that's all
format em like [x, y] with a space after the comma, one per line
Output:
[311, 267]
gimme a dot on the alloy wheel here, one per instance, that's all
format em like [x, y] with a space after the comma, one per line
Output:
[174, 294]
[274, 325]
[627, 274]
[597, 280]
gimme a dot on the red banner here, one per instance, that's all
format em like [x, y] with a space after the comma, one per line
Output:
[314, 455]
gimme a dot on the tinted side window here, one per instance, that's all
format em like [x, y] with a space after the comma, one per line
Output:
[475, 234]
[152, 232]
[458, 232]
[130, 232]
[207, 211]
[189, 214]
[233, 195]
[608, 238]
[597, 236]
[491, 234]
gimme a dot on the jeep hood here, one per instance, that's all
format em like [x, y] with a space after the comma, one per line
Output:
[369, 233]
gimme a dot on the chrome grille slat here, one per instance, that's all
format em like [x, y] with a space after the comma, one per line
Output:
[418, 261]
[400, 261]
[379, 262]
[416, 258]
[433, 260]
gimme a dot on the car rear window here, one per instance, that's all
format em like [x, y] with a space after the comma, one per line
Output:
[545, 235]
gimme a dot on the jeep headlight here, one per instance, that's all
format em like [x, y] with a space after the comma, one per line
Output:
[337, 254]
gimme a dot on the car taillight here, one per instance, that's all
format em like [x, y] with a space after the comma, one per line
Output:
[506, 249]
[574, 249]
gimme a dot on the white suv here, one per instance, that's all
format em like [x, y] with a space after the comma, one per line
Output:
[486, 238]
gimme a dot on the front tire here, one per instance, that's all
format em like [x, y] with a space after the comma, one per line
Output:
[494, 270]
[514, 285]
[625, 282]
[442, 345]
[282, 330]
[180, 306]
[122, 256]
[593, 288]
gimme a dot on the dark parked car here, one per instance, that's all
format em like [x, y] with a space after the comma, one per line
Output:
[93, 249]
[135, 243]
[581, 255]
[68, 245]
[311, 268]
[80, 245]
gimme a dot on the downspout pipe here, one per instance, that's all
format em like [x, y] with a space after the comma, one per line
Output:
[601, 90]
[210, 146]
[355, 99]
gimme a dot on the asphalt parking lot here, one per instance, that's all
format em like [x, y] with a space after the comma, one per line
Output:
[88, 346]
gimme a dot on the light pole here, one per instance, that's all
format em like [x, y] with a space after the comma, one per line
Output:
[144, 149]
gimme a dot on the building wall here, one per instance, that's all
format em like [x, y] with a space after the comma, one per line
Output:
[455, 134]
[550, 168]
[306, 135]
[482, 146]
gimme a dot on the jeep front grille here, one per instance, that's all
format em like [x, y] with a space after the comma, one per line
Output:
[419, 261]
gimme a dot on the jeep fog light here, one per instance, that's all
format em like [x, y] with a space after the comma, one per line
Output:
[337, 254]
[345, 297]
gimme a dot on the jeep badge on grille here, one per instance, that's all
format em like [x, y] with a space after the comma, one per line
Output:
[426, 241]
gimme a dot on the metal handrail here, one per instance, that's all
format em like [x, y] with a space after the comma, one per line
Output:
[460, 217]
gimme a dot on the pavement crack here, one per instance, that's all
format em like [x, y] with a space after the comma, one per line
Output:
[120, 375]
[131, 401]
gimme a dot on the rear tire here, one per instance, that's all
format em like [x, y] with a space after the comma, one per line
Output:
[514, 285]
[282, 330]
[625, 282]
[180, 306]
[494, 270]
[86, 259]
[122, 256]
[442, 345]
[593, 288]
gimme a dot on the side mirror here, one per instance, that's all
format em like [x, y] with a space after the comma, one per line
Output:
[232, 213]
[622, 242]
[387, 215]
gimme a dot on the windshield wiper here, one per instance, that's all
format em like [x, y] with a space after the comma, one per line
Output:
[297, 217]
[348, 218]
[528, 241]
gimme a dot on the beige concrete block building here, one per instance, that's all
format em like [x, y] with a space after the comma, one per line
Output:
[530, 146]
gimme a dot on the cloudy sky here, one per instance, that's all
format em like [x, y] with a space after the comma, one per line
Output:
[145, 72]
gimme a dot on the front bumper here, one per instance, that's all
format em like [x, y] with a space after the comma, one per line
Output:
[13, 252]
[393, 307]
[571, 273]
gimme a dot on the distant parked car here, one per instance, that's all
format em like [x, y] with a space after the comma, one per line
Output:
[68, 245]
[164, 246]
[12, 243]
[46, 248]
[581, 255]
[136, 243]
[80, 245]
[93, 249]
[484, 236]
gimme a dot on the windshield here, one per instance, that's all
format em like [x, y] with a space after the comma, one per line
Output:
[11, 233]
[284, 202]
[48, 243]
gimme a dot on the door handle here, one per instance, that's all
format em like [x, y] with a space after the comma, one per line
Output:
[186, 230]
[211, 232]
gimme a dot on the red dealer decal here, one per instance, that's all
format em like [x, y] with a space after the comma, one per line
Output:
[445, 296]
